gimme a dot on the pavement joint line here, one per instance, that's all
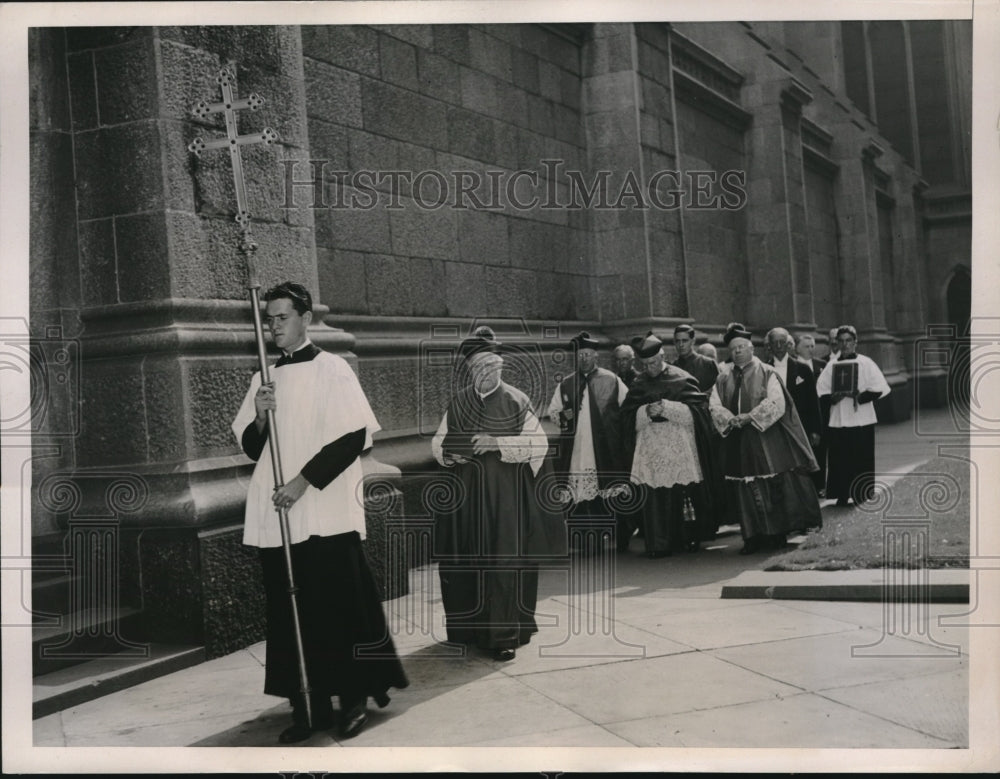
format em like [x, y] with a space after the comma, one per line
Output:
[755, 671]
[915, 675]
[955, 655]
[818, 690]
[554, 701]
[882, 717]
[525, 674]
[730, 705]
[764, 641]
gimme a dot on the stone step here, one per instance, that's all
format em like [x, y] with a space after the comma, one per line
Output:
[67, 687]
[73, 639]
[50, 593]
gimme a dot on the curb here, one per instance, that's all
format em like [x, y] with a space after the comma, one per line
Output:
[897, 585]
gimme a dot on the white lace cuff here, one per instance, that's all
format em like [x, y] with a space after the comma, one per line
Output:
[771, 409]
[720, 414]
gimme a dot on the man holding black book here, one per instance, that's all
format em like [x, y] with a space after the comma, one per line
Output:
[852, 382]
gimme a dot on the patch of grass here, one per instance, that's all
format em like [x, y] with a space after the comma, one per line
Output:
[922, 521]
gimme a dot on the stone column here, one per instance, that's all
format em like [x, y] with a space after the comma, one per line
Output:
[612, 116]
[859, 158]
[855, 153]
[777, 246]
[52, 421]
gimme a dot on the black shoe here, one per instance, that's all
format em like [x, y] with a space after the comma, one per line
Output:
[295, 733]
[300, 730]
[841, 503]
[504, 655]
[353, 721]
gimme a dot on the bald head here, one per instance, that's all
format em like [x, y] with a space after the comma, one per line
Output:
[779, 341]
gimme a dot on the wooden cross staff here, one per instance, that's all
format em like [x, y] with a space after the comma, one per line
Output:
[233, 141]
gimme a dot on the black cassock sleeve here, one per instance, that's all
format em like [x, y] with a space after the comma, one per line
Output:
[333, 459]
[868, 396]
[253, 442]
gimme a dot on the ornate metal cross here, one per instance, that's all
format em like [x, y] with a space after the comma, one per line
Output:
[233, 139]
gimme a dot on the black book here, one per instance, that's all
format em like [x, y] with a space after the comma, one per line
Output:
[845, 377]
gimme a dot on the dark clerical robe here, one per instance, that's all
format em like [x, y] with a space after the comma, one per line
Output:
[819, 477]
[589, 449]
[324, 423]
[491, 525]
[628, 376]
[672, 459]
[767, 463]
[589, 454]
[704, 369]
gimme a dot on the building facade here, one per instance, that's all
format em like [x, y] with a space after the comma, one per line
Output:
[541, 178]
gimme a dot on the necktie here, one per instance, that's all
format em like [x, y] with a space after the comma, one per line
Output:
[734, 401]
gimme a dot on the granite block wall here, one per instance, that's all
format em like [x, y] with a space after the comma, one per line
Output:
[413, 189]
[444, 106]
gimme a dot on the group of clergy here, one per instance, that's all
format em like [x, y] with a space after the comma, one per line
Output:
[682, 446]
[671, 450]
[698, 444]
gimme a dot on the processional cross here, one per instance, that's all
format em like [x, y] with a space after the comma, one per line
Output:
[233, 141]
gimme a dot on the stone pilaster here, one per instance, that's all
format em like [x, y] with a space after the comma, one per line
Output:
[777, 244]
[165, 347]
[612, 117]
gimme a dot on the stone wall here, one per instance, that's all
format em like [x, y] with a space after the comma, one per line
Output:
[445, 100]
[144, 255]
[137, 274]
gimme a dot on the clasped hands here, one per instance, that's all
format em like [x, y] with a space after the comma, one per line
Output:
[737, 421]
[481, 444]
[655, 411]
[838, 396]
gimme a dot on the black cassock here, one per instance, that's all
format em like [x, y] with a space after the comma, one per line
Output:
[493, 525]
[347, 646]
[704, 369]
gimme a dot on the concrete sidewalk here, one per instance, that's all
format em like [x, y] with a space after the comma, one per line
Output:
[634, 653]
[642, 664]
